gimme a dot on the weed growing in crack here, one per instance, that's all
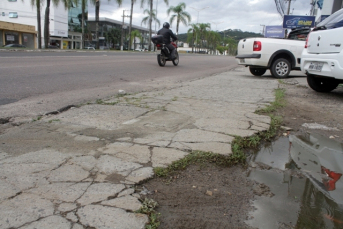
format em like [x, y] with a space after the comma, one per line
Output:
[278, 103]
[101, 102]
[37, 119]
[54, 120]
[148, 207]
[175, 98]
[200, 158]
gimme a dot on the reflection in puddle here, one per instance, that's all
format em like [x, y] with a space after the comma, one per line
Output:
[305, 174]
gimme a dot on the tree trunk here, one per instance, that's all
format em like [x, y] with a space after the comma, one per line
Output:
[83, 23]
[97, 9]
[177, 26]
[150, 23]
[39, 27]
[193, 43]
[46, 25]
[130, 27]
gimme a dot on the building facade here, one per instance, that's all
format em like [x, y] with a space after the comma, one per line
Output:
[18, 24]
[110, 34]
[324, 8]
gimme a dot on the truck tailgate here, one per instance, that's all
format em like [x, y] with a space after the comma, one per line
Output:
[245, 46]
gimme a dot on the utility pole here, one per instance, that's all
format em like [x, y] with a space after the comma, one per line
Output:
[289, 6]
[263, 27]
[122, 31]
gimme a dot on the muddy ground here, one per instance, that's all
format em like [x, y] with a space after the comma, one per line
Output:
[218, 197]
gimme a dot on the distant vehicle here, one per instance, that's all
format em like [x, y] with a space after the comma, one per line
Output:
[165, 54]
[15, 46]
[139, 50]
[280, 56]
[53, 47]
[90, 48]
[322, 57]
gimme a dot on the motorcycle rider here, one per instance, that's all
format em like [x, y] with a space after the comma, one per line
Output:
[167, 34]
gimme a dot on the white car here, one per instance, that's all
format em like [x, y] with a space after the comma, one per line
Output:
[322, 57]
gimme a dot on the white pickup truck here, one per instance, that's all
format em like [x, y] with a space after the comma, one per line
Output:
[279, 55]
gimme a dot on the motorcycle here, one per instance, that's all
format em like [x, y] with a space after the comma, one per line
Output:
[165, 54]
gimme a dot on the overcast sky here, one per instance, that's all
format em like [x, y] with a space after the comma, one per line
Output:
[247, 15]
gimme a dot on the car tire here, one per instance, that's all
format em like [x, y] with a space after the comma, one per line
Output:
[321, 84]
[280, 68]
[257, 71]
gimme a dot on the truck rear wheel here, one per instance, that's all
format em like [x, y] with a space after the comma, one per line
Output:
[321, 84]
[257, 71]
[280, 68]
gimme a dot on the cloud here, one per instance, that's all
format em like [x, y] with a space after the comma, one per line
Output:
[247, 15]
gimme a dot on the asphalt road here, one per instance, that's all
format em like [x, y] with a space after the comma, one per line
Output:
[55, 79]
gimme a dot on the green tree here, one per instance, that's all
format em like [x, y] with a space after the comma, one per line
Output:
[179, 14]
[231, 45]
[213, 40]
[150, 4]
[134, 34]
[192, 32]
[38, 4]
[203, 30]
[113, 36]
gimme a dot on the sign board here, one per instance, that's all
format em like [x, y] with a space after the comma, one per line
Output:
[294, 21]
[322, 17]
[276, 31]
[9, 37]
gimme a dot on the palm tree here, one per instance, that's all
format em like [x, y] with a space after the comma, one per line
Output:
[130, 26]
[203, 29]
[38, 5]
[66, 4]
[179, 14]
[213, 39]
[133, 36]
[151, 3]
[193, 31]
[151, 17]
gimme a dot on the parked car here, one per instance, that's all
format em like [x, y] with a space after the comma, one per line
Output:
[280, 56]
[90, 48]
[53, 47]
[15, 46]
[322, 57]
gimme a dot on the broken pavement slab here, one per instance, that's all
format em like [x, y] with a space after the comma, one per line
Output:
[78, 168]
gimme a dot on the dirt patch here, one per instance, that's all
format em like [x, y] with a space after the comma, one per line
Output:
[307, 106]
[203, 197]
[217, 197]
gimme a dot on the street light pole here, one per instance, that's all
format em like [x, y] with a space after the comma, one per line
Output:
[122, 31]
[217, 23]
[199, 11]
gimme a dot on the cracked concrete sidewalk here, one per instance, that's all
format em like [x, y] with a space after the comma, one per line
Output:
[78, 169]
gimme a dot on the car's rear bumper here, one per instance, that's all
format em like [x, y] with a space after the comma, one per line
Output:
[251, 60]
[332, 67]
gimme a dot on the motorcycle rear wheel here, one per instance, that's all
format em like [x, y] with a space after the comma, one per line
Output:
[161, 60]
[176, 61]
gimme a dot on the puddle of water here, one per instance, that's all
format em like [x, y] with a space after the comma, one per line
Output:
[306, 177]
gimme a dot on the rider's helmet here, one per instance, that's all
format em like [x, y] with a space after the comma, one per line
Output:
[166, 25]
